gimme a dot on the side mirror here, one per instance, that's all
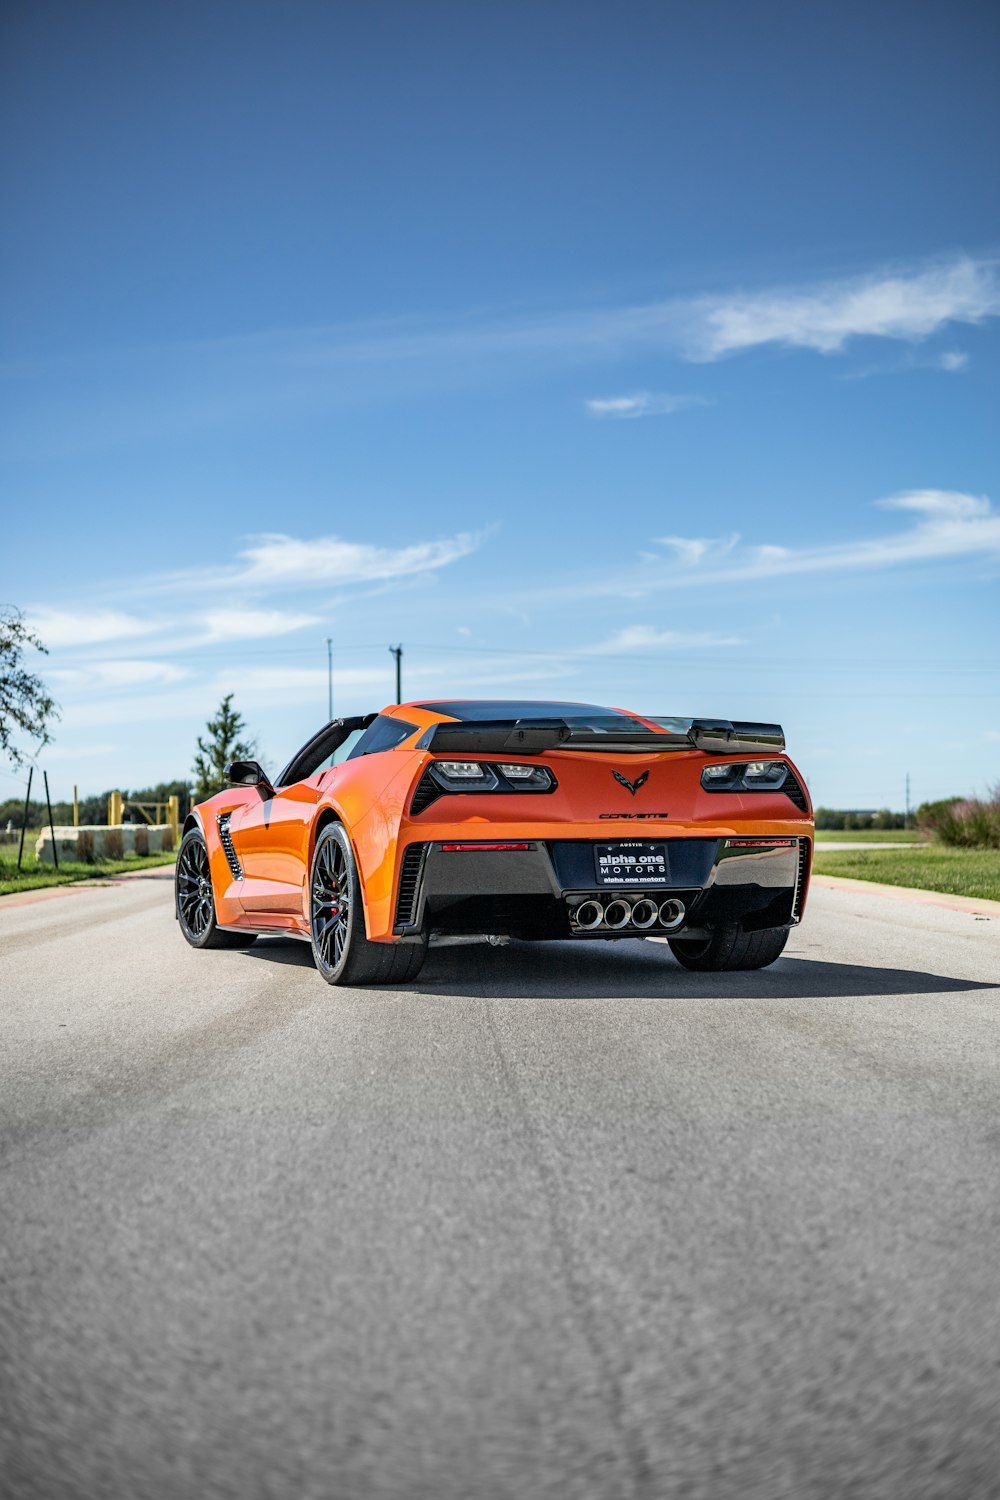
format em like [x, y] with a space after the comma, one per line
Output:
[247, 773]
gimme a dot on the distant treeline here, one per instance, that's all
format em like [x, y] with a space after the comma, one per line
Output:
[832, 817]
[93, 810]
[961, 822]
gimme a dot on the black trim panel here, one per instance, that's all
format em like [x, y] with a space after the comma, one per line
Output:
[228, 848]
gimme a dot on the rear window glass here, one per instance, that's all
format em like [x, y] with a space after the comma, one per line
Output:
[384, 734]
[513, 708]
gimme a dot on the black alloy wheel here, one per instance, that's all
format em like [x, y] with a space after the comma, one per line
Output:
[343, 952]
[330, 910]
[195, 899]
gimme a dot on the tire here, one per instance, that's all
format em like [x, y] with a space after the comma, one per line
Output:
[194, 898]
[730, 947]
[343, 952]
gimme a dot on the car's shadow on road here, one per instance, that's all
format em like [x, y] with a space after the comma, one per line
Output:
[632, 970]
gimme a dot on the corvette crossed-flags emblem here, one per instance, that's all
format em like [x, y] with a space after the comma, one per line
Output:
[633, 786]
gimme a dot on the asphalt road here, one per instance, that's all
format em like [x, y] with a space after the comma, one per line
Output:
[557, 1221]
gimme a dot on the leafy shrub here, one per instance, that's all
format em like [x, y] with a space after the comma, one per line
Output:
[141, 841]
[168, 840]
[85, 847]
[964, 823]
[113, 846]
[929, 814]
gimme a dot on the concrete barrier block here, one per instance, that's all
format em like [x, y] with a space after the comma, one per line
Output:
[68, 839]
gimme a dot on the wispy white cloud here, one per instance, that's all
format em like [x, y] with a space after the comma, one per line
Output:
[135, 396]
[117, 673]
[248, 624]
[692, 549]
[949, 525]
[646, 637]
[275, 560]
[907, 305]
[273, 564]
[951, 361]
[642, 404]
[950, 505]
[87, 627]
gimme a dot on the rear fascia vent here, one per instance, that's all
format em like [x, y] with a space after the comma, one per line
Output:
[795, 791]
[800, 879]
[427, 792]
[409, 885]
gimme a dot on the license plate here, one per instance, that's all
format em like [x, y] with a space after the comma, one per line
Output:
[631, 864]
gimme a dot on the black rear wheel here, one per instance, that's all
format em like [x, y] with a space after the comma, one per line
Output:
[730, 947]
[195, 899]
[343, 952]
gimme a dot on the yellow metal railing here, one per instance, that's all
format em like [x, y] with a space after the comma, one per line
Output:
[156, 814]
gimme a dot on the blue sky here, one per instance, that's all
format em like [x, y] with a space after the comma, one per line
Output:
[642, 353]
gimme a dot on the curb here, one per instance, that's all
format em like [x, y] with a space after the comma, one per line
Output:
[94, 883]
[978, 907]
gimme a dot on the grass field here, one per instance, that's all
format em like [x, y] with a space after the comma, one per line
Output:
[34, 877]
[869, 836]
[956, 872]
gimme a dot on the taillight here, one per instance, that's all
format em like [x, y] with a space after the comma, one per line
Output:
[484, 848]
[745, 776]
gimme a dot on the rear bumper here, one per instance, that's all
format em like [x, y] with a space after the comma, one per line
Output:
[537, 890]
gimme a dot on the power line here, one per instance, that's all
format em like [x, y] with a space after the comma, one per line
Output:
[686, 654]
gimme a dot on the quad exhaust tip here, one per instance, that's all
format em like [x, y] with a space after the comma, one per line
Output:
[672, 914]
[644, 914]
[619, 914]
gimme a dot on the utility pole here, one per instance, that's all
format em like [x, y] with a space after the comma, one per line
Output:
[397, 652]
[906, 821]
[329, 675]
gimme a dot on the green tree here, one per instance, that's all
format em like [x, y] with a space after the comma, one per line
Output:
[221, 745]
[25, 706]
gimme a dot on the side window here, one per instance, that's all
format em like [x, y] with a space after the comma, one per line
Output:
[324, 749]
[346, 750]
[384, 734]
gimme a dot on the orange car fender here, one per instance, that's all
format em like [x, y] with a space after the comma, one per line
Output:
[370, 807]
[228, 909]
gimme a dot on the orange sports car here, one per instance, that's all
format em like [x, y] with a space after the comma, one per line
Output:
[505, 819]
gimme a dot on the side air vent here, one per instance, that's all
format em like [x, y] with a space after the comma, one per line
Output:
[794, 789]
[226, 841]
[800, 879]
[427, 792]
[409, 885]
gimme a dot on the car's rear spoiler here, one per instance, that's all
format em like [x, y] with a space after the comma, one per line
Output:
[533, 736]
